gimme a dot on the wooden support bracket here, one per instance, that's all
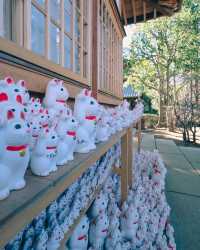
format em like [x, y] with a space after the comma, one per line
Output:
[139, 135]
[124, 168]
[130, 157]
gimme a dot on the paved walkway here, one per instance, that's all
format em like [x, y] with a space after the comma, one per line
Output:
[182, 189]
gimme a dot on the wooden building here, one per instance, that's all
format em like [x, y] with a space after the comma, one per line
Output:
[79, 41]
[64, 39]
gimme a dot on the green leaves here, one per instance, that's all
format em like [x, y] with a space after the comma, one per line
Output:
[164, 49]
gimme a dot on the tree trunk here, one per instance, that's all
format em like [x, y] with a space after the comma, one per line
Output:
[188, 135]
[184, 136]
[162, 115]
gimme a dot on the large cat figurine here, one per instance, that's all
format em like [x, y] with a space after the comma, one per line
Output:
[43, 158]
[14, 150]
[55, 97]
[98, 231]
[86, 109]
[67, 140]
[79, 237]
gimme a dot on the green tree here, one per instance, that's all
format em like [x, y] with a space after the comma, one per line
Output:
[161, 52]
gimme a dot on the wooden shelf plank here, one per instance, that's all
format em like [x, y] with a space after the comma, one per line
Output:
[22, 206]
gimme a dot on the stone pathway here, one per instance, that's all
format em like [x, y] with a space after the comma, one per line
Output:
[182, 188]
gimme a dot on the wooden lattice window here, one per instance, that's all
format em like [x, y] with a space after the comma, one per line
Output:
[109, 51]
[54, 29]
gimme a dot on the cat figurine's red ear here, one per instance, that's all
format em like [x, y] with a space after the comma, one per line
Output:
[9, 80]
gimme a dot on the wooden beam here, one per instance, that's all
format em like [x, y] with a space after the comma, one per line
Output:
[130, 157]
[124, 12]
[139, 135]
[144, 9]
[124, 168]
[134, 11]
[162, 10]
[94, 48]
[154, 13]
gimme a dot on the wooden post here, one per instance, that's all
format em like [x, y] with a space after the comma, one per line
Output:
[130, 157]
[139, 135]
[144, 10]
[94, 48]
[124, 167]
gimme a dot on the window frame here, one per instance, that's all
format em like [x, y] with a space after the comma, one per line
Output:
[25, 12]
[110, 37]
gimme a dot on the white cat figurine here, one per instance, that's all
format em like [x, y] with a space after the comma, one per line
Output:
[102, 130]
[56, 96]
[129, 222]
[35, 129]
[14, 152]
[86, 110]
[21, 84]
[19, 92]
[98, 231]
[67, 141]
[99, 205]
[33, 108]
[43, 158]
[55, 238]
[79, 237]
[7, 91]
[113, 239]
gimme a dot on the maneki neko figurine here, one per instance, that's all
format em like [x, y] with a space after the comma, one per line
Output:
[22, 87]
[129, 222]
[103, 129]
[55, 97]
[33, 108]
[43, 158]
[113, 240]
[19, 92]
[86, 109]
[35, 129]
[98, 231]
[79, 237]
[14, 150]
[66, 130]
[9, 91]
[55, 238]
[99, 206]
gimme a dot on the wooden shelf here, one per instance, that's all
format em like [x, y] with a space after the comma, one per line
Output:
[22, 206]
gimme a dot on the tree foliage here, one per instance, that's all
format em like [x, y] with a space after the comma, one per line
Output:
[164, 57]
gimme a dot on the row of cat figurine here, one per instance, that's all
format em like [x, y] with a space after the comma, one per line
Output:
[47, 229]
[141, 223]
[46, 134]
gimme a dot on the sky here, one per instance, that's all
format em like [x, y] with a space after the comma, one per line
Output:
[130, 30]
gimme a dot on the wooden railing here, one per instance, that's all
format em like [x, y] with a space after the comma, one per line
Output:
[22, 206]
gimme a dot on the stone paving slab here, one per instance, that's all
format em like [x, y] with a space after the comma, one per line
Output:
[185, 217]
[167, 146]
[151, 149]
[176, 162]
[191, 153]
[183, 181]
[193, 156]
[148, 140]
